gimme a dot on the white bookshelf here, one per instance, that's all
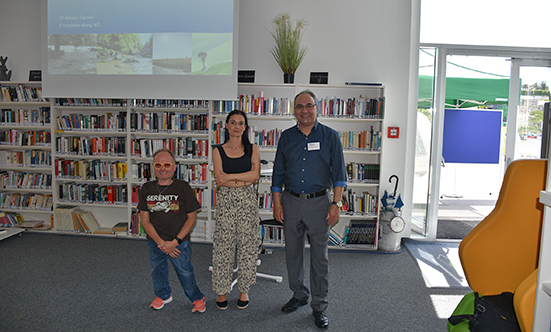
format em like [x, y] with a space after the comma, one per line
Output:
[109, 213]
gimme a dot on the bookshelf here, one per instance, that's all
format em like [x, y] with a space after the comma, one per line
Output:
[25, 151]
[352, 112]
[104, 150]
[101, 151]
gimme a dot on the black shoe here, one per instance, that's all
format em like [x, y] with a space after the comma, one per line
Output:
[293, 305]
[222, 305]
[321, 320]
[242, 304]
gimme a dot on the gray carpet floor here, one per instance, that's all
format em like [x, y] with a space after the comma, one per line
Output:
[82, 283]
[454, 229]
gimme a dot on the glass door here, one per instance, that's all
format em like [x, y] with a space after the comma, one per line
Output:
[423, 140]
[534, 77]
[453, 196]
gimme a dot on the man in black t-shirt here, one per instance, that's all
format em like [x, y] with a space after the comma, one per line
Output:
[168, 212]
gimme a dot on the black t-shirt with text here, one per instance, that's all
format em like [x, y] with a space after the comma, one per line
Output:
[168, 206]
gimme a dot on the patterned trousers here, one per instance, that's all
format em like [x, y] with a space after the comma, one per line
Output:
[236, 234]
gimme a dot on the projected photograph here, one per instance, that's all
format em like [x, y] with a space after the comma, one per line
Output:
[72, 54]
[212, 54]
[172, 53]
[124, 54]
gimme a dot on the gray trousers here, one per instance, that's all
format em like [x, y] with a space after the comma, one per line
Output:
[307, 217]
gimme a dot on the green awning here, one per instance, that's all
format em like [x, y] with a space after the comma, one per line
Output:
[464, 92]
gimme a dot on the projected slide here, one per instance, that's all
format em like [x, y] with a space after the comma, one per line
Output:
[165, 37]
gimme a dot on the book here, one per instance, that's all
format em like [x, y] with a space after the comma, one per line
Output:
[30, 224]
[120, 227]
[93, 224]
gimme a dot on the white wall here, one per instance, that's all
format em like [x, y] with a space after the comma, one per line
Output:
[353, 40]
[20, 36]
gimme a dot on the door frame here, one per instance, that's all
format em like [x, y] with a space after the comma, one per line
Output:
[519, 57]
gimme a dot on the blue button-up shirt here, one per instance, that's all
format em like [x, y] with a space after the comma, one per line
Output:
[307, 164]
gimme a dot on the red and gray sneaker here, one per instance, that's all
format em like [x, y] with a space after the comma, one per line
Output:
[199, 305]
[158, 303]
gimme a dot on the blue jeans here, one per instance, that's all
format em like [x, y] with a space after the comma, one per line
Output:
[182, 266]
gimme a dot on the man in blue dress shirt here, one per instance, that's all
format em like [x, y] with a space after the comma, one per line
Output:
[309, 162]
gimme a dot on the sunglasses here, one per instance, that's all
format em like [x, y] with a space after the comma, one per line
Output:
[165, 165]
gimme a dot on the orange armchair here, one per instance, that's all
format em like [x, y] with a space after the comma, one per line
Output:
[502, 252]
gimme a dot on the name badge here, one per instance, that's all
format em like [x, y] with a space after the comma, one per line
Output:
[313, 146]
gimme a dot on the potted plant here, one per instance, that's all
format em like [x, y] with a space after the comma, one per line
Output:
[287, 51]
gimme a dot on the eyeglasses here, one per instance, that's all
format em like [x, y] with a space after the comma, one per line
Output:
[308, 107]
[165, 165]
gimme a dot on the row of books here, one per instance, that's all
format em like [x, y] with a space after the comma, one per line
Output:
[31, 158]
[93, 102]
[199, 231]
[265, 201]
[335, 239]
[26, 117]
[367, 108]
[158, 103]
[10, 219]
[14, 219]
[272, 234]
[361, 140]
[359, 203]
[21, 93]
[90, 170]
[182, 147]
[261, 137]
[168, 122]
[26, 201]
[260, 105]
[171, 103]
[353, 203]
[25, 137]
[92, 193]
[350, 140]
[113, 146]
[24, 180]
[273, 106]
[92, 122]
[361, 234]
[73, 219]
[363, 172]
[362, 107]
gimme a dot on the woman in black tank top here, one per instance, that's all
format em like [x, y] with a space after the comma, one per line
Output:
[236, 232]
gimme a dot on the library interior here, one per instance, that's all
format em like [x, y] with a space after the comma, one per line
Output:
[442, 124]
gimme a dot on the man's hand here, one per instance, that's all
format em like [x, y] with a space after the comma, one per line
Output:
[278, 212]
[170, 248]
[333, 215]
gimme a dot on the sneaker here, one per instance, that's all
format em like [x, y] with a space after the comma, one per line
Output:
[199, 305]
[159, 303]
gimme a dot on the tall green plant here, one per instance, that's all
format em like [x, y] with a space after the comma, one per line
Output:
[287, 51]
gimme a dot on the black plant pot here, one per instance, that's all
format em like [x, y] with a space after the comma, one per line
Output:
[288, 78]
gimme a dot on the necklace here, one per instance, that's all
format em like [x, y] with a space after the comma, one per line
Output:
[159, 189]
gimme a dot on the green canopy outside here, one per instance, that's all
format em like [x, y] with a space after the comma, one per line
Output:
[464, 92]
